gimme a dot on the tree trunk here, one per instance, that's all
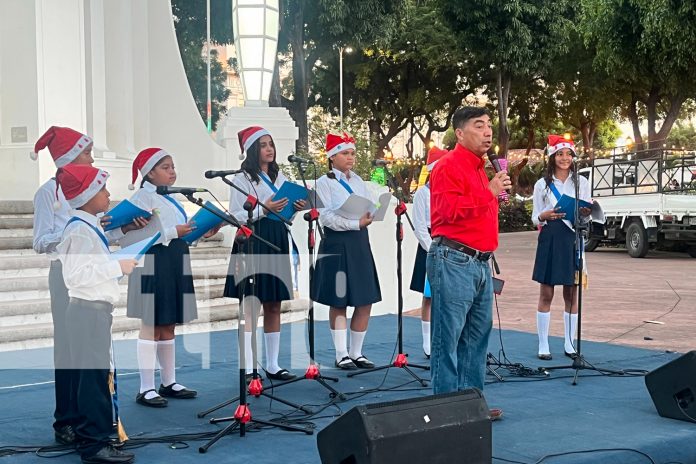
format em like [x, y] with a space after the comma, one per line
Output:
[590, 139]
[275, 97]
[585, 131]
[651, 106]
[675, 104]
[503, 91]
[635, 122]
[531, 139]
[299, 77]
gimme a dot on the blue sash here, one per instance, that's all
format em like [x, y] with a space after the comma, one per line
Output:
[268, 182]
[555, 191]
[96, 231]
[345, 185]
[177, 205]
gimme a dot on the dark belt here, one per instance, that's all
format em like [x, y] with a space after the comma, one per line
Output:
[467, 250]
[100, 305]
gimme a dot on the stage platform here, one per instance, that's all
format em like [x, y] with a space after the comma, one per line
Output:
[543, 415]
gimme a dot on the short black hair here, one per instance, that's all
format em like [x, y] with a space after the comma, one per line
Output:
[462, 115]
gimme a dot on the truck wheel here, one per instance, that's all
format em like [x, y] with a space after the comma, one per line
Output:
[637, 240]
[692, 251]
[591, 244]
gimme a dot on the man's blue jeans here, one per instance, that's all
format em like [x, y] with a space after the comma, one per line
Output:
[462, 297]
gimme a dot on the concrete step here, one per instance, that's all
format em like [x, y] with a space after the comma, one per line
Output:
[16, 207]
[210, 317]
[16, 233]
[16, 222]
[16, 244]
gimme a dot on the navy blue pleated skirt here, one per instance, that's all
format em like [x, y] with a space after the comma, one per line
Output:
[345, 274]
[555, 255]
[161, 292]
[419, 272]
[273, 276]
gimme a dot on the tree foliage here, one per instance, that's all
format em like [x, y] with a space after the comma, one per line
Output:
[190, 24]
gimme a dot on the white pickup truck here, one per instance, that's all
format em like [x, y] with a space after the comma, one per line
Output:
[648, 199]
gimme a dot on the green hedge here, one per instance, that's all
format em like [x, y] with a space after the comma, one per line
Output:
[515, 216]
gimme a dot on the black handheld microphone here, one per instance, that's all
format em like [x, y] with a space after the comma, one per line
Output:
[380, 162]
[213, 174]
[298, 159]
[165, 190]
[499, 164]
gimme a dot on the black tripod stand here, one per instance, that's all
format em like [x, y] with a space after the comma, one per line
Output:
[242, 417]
[401, 359]
[313, 372]
[581, 227]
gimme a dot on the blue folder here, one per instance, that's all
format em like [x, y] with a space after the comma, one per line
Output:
[124, 213]
[292, 192]
[567, 206]
[203, 221]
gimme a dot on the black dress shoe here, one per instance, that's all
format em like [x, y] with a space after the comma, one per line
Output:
[156, 402]
[109, 455]
[363, 363]
[169, 392]
[427, 356]
[65, 435]
[346, 364]
[545, 357]
[571, 355]
[282, 374]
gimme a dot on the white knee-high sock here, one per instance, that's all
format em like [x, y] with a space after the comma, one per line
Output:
[340, 340]
[166, 355]
[543, 322]
[248, 354]
[570, 328]
[356, 343]
[272, 349]
[147, 361]
[425, 328]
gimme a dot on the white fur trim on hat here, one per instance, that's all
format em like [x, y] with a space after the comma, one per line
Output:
[154, 159]
[560, 146]
[97, 184]
[254, 137]
[340, 147]
[81, 145]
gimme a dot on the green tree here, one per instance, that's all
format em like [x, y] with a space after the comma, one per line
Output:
[516, 39]
[647, 47]
[190, 24]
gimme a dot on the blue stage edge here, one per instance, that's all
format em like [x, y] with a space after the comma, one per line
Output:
[544, 415]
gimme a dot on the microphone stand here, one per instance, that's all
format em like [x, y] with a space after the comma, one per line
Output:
[401, 360]
[581, 228]
[313, 372]
[242, 416]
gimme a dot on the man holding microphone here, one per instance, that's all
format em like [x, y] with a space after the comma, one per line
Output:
[464, 217]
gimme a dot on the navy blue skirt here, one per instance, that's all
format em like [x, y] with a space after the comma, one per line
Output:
[555, 255]
[161, 292]
[273, 276]
[419, 272]
[345, 274]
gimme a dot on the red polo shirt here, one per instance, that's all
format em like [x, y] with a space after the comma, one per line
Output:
[461, 206]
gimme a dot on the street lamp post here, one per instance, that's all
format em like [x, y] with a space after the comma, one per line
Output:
[340, 80]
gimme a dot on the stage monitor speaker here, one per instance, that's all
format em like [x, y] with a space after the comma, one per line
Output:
[673, 388]
[447, 428]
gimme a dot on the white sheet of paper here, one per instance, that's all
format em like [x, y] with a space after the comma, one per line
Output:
[381, 207]
[152, 227]
[597, 213]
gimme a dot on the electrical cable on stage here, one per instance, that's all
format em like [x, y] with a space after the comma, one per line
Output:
[569, 453]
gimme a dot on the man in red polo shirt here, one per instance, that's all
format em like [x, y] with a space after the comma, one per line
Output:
[464, 217]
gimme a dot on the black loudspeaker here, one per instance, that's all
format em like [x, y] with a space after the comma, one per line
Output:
[672, 388]
[447, 428]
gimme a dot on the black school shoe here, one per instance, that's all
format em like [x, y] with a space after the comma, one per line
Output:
[363, 363]
[109, 455]
[65, 435]
[346, 364]
[156, 402]
[169, 392]
[282, 374]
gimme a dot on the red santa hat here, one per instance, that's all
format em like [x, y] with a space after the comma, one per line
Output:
[338, 143]
[80, 183]
[248, 136]
[145, 162]
[559, 142]
[63, 143]
[434, 155]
